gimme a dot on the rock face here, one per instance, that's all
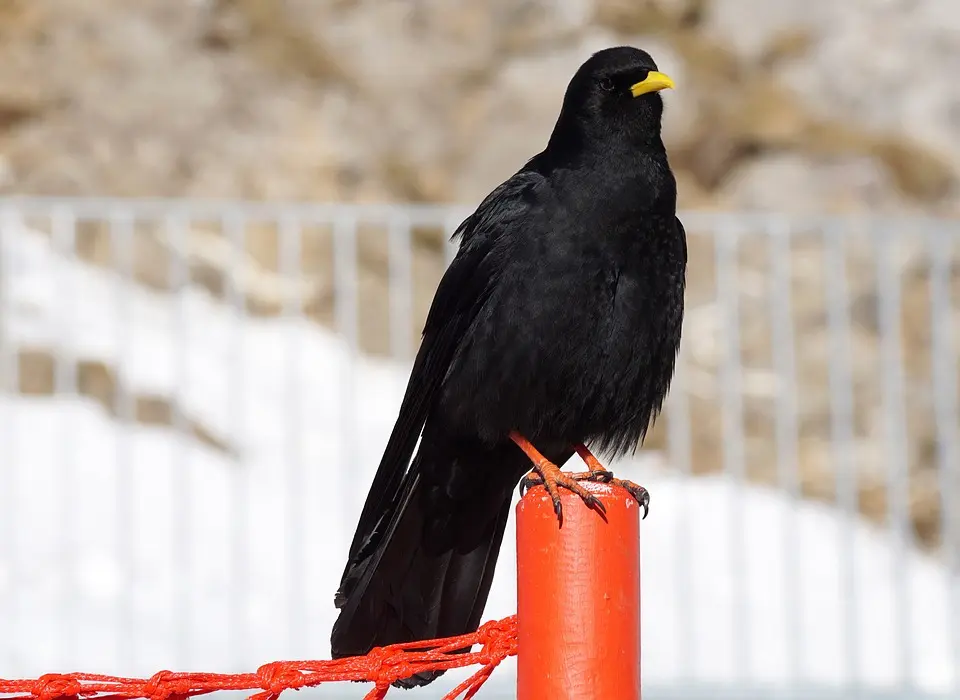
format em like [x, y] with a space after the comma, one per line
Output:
[432, 100]
[785, 106]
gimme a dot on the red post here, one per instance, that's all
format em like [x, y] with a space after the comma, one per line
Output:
[578, 597]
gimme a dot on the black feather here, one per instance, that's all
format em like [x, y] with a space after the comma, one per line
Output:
[559, 318]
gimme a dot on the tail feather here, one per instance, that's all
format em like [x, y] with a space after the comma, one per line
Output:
[424, 570]
[407, 589]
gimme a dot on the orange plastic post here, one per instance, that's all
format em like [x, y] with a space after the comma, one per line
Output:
[578, 597]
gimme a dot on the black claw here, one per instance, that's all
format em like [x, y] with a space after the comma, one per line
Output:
[597, 505]
[527, 483]
[642, 497]
[640, 494]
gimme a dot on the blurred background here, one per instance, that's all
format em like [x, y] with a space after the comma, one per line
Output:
[223, 222]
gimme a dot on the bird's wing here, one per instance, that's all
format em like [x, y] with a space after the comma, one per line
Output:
[683, 237]
[464, 288]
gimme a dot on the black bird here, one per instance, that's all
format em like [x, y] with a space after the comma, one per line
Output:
[556, 326]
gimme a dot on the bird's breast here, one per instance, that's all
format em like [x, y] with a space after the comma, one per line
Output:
[568, 329]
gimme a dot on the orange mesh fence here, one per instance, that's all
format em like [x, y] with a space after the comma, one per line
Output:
[382, 666]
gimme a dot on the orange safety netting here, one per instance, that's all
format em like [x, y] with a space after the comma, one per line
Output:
[382, 666]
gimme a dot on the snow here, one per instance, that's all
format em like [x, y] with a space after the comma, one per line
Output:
[128, 549]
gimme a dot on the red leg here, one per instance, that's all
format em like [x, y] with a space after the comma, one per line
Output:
[593, 464]
[552, 478]
[600, 473]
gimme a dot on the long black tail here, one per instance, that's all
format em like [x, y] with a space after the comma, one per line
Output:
[425, 571]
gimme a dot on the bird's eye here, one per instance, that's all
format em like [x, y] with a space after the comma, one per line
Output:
[606, 84]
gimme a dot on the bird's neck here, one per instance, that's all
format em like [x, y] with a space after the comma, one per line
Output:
[641, 180]
[574, 140]
[635, 173]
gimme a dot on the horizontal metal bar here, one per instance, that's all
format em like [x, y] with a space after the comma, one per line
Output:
[418, 214]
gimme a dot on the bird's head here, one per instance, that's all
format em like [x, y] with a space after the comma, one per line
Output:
[615, 94]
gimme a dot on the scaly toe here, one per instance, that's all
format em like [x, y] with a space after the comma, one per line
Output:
[640, 494]
[600, 476]
[588, 498]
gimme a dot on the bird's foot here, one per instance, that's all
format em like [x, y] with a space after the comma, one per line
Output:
[603, 475]
[550, 476]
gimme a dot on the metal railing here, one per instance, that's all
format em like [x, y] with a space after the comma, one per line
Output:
[194, 395]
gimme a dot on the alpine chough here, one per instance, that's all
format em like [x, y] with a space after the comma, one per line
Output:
[555, 327]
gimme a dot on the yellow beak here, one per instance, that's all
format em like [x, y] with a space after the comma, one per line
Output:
[654, 82]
